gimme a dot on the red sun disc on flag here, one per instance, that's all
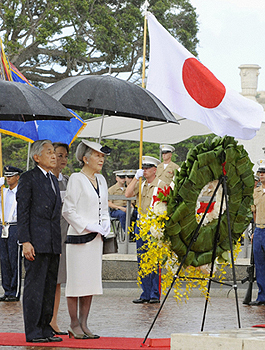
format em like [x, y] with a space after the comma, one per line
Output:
[201, 84]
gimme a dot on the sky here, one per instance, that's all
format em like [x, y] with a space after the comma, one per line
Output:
[231, 33]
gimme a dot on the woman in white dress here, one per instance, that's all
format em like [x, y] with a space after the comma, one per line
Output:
[86, 210]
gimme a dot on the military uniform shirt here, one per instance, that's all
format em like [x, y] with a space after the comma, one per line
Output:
[259, 205]
[118, 191]
[147, 193]
[166, 174]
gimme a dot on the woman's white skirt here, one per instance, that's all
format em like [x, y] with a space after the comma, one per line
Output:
[84, 268]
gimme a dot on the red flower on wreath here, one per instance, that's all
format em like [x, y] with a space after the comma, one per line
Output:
[165, 192]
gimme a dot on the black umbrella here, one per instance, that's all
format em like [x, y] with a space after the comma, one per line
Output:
[21, 102]
[107, 95]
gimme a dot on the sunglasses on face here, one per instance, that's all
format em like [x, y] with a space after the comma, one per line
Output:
[130, 176]
[121, 176]
[147, 166]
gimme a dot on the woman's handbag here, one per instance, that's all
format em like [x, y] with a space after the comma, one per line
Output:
[110, 245]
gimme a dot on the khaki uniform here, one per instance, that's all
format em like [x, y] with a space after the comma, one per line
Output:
[259, 205]
[259, 241]
[118, 191]
[166, 174]
[148, 192]
[149, 283]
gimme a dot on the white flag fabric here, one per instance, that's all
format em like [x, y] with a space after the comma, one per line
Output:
[189, 89]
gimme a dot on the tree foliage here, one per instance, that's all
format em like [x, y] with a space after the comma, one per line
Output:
[124, 154]
[48, 40]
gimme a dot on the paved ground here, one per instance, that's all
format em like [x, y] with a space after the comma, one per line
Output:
[114, 315]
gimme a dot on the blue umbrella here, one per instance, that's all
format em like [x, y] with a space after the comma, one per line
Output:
[54, 130]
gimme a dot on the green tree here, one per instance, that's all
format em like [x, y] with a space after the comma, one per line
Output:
[124, 154]
[48, 40]
[14, 152]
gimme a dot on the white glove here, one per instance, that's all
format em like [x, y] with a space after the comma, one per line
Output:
[106, 227]
[2, 181]
[139, 173]
[95, 228]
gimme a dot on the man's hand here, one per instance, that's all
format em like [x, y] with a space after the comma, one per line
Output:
[2, 181]
[28, 251]
[139, 173]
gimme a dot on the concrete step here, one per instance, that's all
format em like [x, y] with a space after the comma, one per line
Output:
[236, 339]
[124, 267]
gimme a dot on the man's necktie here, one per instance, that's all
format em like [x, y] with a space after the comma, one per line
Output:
[48, 175]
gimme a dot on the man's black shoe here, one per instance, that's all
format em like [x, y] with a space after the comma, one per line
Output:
[3, 298]
[39, 340]
[154, 301]
[140, 301]
[55, 339]
[256, 303]
[12, 298]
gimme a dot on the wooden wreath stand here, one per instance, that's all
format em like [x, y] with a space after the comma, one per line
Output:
[223, 182]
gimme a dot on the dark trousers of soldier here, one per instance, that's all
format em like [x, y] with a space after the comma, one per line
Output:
[120, 215]
[259, 259]
[11, 262]
[150, 283]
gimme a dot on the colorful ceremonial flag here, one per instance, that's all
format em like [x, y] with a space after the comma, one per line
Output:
[189, 89]
[5, 70]
[18, 76]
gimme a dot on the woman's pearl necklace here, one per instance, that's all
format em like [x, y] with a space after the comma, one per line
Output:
[90, 178]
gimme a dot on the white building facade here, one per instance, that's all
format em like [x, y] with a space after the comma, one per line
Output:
[249, 84]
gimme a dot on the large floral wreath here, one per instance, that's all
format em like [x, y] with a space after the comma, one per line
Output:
[177, 212]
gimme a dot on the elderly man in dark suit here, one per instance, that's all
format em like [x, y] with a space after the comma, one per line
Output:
[38, 211]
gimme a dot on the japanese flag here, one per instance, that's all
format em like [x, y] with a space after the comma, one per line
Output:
[189, 89]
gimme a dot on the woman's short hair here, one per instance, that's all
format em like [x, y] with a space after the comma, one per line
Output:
[37, 147]
[81, 151]
[60, 144]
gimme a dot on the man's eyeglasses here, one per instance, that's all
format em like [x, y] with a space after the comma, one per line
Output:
[147, 166]
[130, 176]
[121, 176]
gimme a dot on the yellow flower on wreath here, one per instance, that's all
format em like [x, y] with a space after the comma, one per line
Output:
[158, 252]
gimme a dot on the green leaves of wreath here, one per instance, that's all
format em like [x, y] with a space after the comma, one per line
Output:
[204, 164]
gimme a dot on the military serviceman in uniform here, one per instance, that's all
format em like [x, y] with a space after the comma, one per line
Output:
[129, 175]
[10, 250]
[165, 170]
[259, 236]
[150, 283]
[118, 206]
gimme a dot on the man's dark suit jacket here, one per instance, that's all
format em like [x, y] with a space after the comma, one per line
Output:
[39, 212]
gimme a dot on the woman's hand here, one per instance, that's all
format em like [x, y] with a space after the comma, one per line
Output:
[106, 227]
[95, 228]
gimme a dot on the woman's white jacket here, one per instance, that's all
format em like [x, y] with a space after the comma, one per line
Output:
[82, 205]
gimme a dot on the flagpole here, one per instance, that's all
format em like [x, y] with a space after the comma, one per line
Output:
[7, 76]
[146, 4]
